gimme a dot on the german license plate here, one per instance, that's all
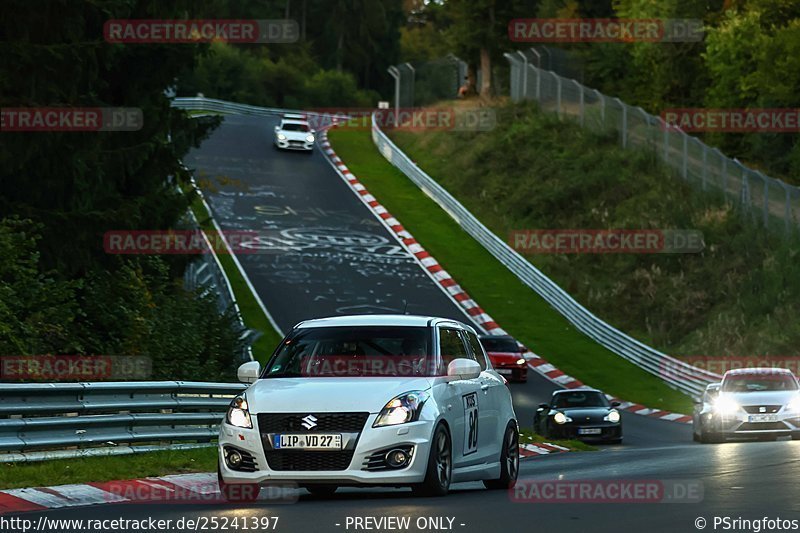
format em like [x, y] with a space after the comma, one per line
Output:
[589, 431]
[504, 371]
[762, 418]
[317, 441]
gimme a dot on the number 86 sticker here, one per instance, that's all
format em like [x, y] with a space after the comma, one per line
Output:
[471, 420]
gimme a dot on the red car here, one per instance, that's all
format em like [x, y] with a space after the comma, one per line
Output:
[505, 353]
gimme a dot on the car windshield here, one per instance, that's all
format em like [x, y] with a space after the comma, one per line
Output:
[372, 351]
[499, 344]
[759, 382]
[567, 400]
[293, 126]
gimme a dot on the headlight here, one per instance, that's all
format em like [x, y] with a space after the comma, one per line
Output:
[310, 139]
[561, 418]
[520, 361]
[612, 417]
[725, 406]
[238, 415]
[794, 405]
[402, 409]
[281, 137]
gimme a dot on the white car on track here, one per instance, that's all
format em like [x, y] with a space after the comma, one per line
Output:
[294, 133]
[391, 400]
[750, 402]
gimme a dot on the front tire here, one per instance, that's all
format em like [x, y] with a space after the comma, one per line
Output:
[440, 465]
[707, 437]
[509, 461]
[237, 492]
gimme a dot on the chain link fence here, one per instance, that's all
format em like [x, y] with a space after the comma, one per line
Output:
[424, 83]
[773, 203]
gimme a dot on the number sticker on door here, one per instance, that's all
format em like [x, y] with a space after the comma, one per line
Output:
[471, 421]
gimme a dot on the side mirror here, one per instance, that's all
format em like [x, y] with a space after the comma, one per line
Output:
[249, 372]
[615, 404]
[277, 128]
[463, 368]
[543, 406]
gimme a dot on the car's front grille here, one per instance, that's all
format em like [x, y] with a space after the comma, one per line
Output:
[325, 422]
[301, 460]
[756, 409]
[762, 426]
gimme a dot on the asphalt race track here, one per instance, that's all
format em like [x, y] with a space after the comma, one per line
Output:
[323, 253]
[330, 256]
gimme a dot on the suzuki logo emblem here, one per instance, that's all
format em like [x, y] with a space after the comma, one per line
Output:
[309, 422]
[762, 409]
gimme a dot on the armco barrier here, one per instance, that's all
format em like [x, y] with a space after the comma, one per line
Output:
[40, 420]
[675, 373]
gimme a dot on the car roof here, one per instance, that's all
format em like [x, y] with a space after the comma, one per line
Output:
[294, 115]
[292, 121]
[758, 370]
[577, 389]
[381, 320]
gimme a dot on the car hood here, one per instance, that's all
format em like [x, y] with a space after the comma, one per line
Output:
[328, 394]
[295, 135]
[504, 357]
[760, 398]
[586, 414]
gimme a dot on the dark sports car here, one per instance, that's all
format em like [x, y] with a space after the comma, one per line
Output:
[584, 414]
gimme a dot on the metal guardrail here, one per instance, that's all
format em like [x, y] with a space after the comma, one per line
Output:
[48, 420]
[677, 374]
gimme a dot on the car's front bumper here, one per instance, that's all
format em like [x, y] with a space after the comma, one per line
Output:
[288, 144]
[607, 431]
[740, 425]
[370, 440]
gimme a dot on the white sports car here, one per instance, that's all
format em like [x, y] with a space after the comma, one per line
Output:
[750, 402]
[294, 133]
[392, 400]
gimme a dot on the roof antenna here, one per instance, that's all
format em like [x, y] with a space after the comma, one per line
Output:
[405, 307]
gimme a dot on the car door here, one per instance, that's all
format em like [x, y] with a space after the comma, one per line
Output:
[493, 394]
[463, 399]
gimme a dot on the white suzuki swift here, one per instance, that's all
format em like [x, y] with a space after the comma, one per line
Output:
[390, 400]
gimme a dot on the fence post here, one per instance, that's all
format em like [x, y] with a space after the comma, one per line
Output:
[624, 126]
[685, 170]
[602, 107]
[787, 210]
[413, 82]
[705, 167]
[666, 139]
[766, 199]
[524, 74]
[725, 176]
[580, 91]
[558, 93]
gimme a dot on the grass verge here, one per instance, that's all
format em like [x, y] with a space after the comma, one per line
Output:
[98, 469]
[515, 306]
[252, 314]
[527, 436]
